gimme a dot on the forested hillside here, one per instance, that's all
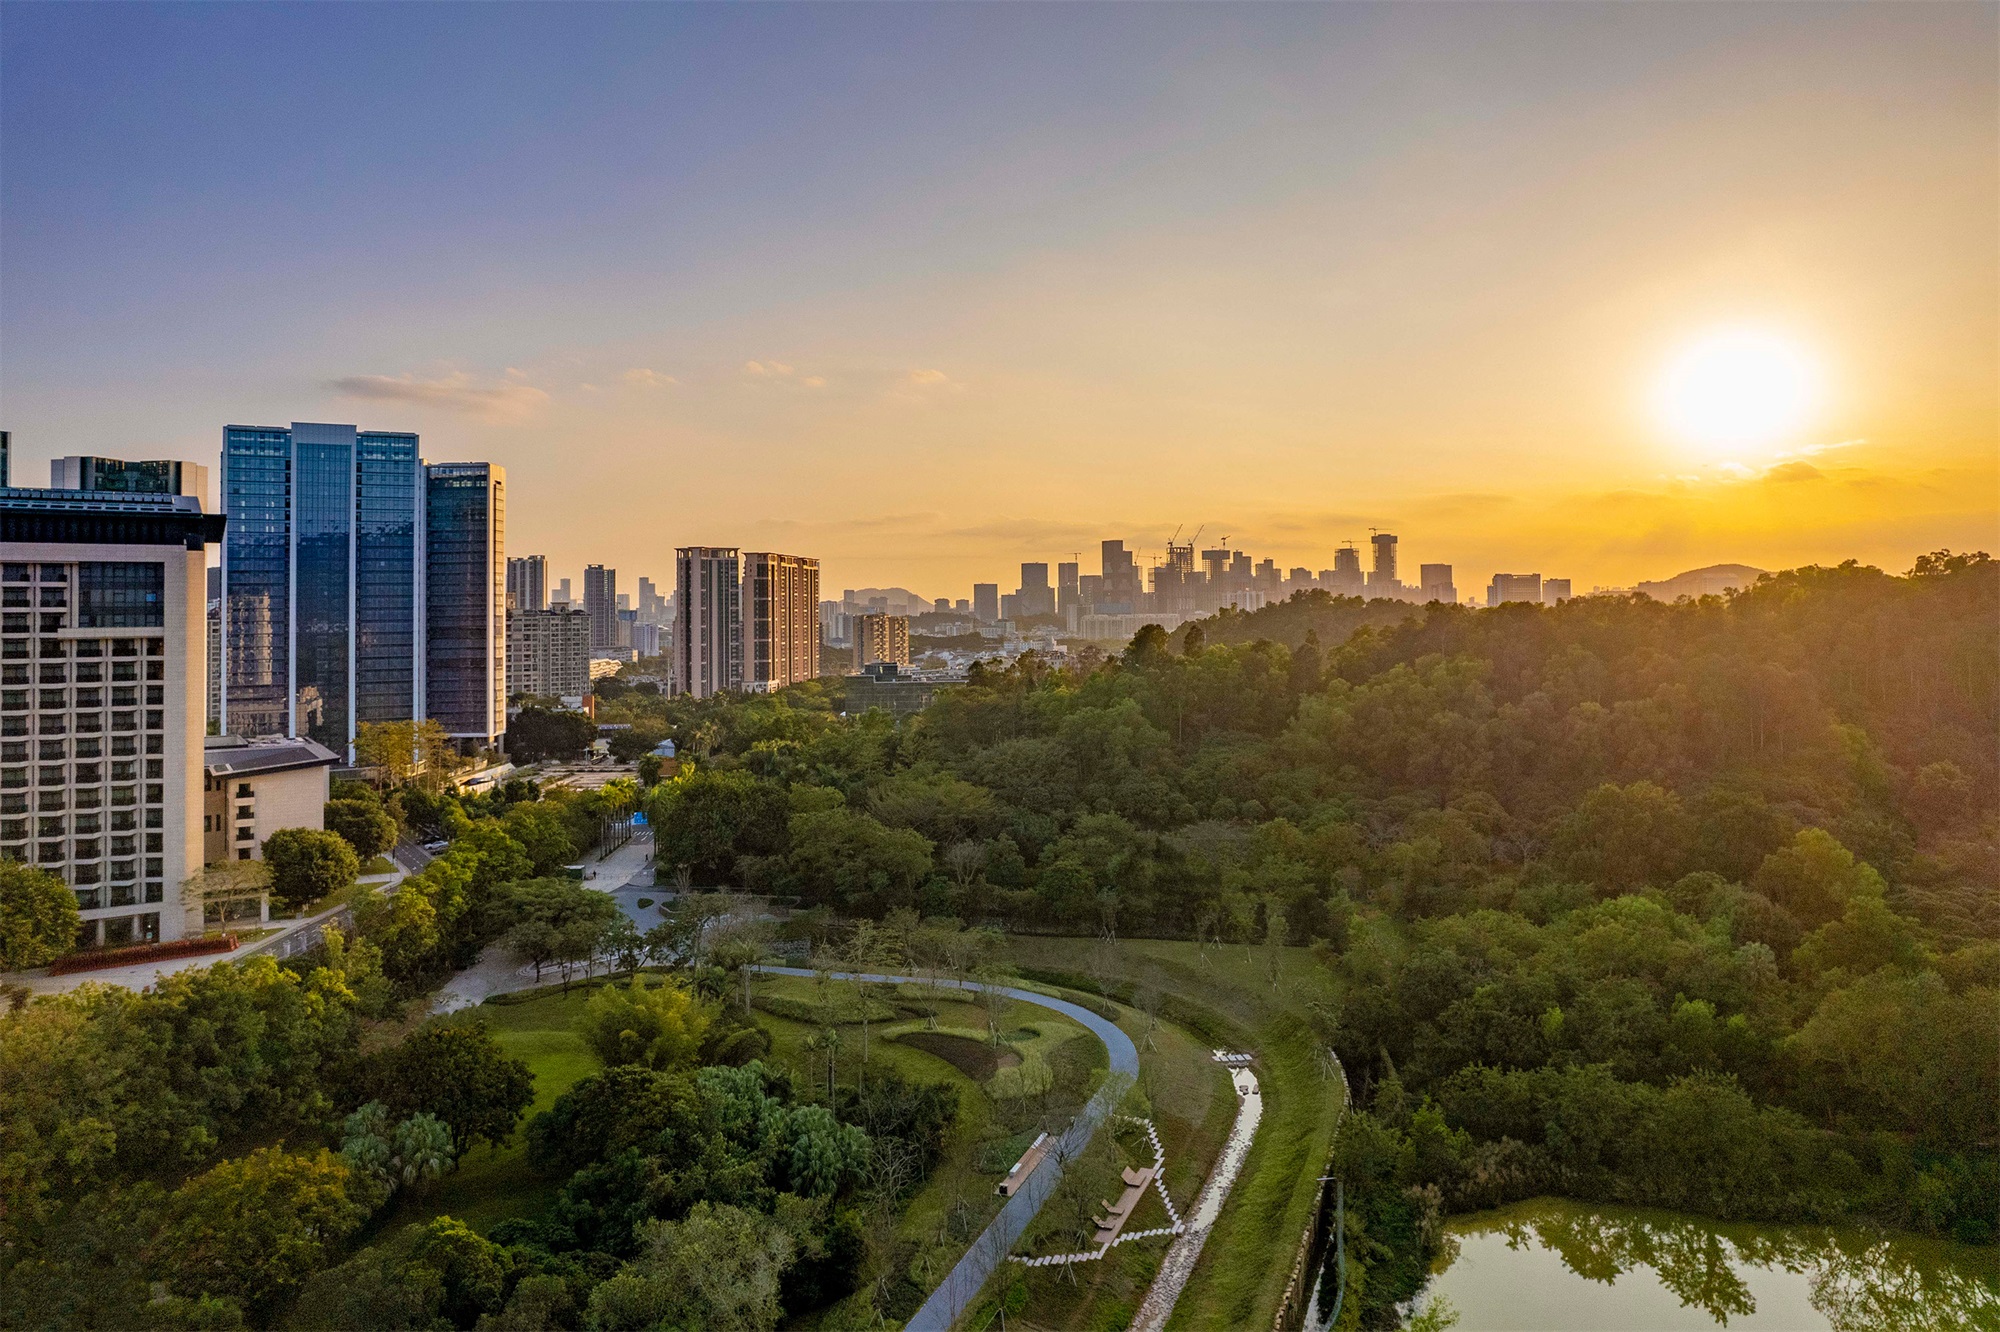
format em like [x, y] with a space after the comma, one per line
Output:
[1693, 904]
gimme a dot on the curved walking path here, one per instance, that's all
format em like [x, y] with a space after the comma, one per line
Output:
[948, 1303]
[1179, 1263]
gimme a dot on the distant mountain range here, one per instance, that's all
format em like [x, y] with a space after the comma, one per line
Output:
[901, 600]
[1712, 581]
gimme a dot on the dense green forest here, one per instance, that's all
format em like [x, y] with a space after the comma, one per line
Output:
[1695, 905]
[1692, 905]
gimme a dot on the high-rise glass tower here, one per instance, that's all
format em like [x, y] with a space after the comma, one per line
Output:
[465, 539]
[322, 589]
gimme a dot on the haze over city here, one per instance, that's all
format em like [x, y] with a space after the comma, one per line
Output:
[1609, 292]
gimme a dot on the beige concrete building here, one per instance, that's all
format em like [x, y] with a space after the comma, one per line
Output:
[103, 684]
[253, 788]
[780, 628]
[548, 653]
[881, 638]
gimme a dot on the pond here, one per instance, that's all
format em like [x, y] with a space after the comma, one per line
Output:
[1556, 1266]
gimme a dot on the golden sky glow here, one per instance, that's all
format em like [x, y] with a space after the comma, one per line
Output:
[929, 292]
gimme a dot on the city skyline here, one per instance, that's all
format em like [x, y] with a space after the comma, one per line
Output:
[994, 333]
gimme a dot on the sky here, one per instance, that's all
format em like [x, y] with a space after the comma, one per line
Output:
[927, 291]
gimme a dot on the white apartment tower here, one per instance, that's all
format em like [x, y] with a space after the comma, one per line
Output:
[103, 691]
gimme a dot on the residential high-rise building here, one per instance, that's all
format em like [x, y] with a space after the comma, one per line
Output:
[1036, 596]
[323, 583]
[881, 638]
[166, 477]
[548, 653]
[1555, 590]
[986, 602]
[102, 683]
[528, 582]
[561, 596]
[1514, 587]
[708, 643]
[1436, 583]
[649, 640]
[780, 609]
[465, 545]
[6, 459]
[1066, 577]
[600, 598]
[1382, 580]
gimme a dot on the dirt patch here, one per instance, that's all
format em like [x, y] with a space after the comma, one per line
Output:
[975, 1059]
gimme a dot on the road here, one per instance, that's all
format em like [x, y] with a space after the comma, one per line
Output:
[625, 876]
[948, 1303]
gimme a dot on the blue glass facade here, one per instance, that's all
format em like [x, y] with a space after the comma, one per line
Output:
[322, 572]
[257, 580]
[388, 492]
[322, 577]
[466, 613]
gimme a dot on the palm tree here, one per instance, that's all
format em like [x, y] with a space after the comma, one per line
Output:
[423, 1150]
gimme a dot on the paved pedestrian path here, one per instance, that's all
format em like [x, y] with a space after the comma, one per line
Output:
[288, 937]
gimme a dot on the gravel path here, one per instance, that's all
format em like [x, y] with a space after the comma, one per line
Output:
[948, 1303]
[1179, 1263]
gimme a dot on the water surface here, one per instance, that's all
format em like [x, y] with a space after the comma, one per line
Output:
[1556, 1266]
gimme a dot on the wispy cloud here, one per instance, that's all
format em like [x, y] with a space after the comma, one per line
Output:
[776, 371]
[640, 377]
[1794, 471]
[457, 392]
[929, 379]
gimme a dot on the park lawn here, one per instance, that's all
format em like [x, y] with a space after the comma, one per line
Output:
[958, 1200]
[494, 1184]
[1226, 996]
[379, 865]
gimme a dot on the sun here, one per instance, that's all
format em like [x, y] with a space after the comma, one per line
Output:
[1738, 390]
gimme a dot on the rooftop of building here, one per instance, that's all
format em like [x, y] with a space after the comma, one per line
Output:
[107, 517]
[100, 501]
[234, 756]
